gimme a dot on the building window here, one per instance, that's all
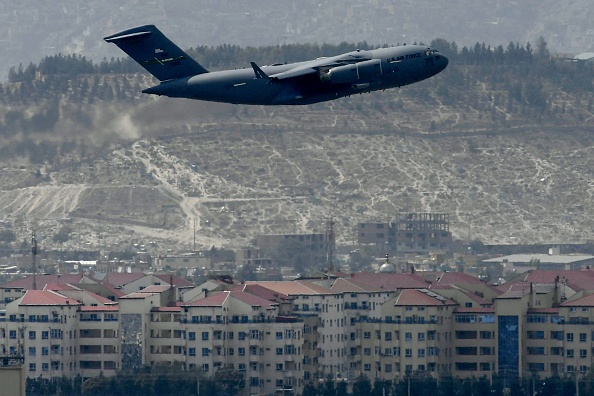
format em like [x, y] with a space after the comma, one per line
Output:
[485, 366]
[192, 351]
[408, 352]
[569, 353]
[583, 353]
[279, 367]
[367, 334]
[44, 367]
[486, 351]
[241, 335]
[205, 336]
[583, 337]
[279, 351]
[367, 367]
[557, 335]
[367, 351]
[421, 336]
[12, 334]
[192, 335]
[466, 335]
[32, 335]
[534, 367]
[241, 351]
[32, 367]
[205, 367]
[557, 351]
[536, 318]
[408, 336]
[536, 335]
[569, 337]
[388, 336]
[421, 352]
[45, 351]
[32, 351]
[388, 368]
[536, 350]
[205, 351]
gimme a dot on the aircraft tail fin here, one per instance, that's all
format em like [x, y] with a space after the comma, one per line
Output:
[148, 46]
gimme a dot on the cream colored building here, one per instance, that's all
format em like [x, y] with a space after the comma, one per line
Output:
[282, 335]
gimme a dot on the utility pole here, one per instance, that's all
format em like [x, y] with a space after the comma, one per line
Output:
[33, 255]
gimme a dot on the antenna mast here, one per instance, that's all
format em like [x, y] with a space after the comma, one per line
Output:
[330, 244]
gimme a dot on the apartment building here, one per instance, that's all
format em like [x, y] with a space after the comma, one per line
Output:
[42, 327]
[283, 334]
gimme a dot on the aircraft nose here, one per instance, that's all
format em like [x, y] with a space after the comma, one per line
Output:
[442, 61]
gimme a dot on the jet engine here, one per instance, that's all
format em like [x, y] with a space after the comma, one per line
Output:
[361, 71]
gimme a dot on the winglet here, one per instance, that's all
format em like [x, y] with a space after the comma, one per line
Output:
[259, 73]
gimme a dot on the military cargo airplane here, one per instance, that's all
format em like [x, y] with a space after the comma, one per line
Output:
[298, 83]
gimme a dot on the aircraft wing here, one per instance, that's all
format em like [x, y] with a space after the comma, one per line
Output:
[314, 67]
[295, 72]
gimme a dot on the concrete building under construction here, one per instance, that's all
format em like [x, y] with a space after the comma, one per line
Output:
[409, 233]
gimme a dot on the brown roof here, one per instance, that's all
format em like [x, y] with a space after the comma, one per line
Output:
[300, 287]
[177, 280]
[42, 280]
[46, 297]
[263, 292]
[122, 278]
[387, 281]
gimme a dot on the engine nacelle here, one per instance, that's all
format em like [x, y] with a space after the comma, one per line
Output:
[356, 72]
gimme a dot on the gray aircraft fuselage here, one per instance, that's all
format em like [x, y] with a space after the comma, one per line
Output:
[299, 83]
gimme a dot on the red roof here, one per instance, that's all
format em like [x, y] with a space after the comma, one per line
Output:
[586, 301]
[576, 279]
[454, 278]
[218, 299]
[417, 297]
[46, 297]
[60, 287]
[214, 300]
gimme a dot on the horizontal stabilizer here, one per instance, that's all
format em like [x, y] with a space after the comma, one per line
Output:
[148, 46]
